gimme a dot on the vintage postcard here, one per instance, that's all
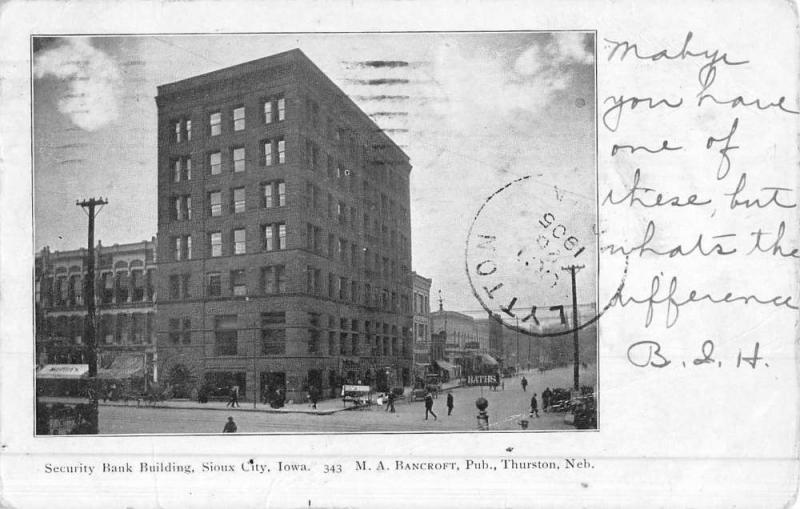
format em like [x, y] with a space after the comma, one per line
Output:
[266, 246]
[487, 254]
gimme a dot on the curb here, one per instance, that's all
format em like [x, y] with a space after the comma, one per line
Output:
[240, 409]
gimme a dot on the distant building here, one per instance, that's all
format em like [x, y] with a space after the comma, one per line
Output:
[559, 350]
[491, 333]
[125, 299]
[422, 330]
[482, 332]
[461, 346]
[283, 215]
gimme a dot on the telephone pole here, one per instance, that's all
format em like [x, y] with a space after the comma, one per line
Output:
[89, 206]
[576, 354]
[516, 333]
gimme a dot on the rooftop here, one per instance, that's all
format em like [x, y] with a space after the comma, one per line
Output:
[260, 64]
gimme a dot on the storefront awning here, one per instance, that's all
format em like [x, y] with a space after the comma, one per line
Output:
[63, 371]
[451, 368]
[122, 367]
[488, 359]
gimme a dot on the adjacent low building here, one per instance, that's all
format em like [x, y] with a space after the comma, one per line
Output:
[125, 302]
[422, 330]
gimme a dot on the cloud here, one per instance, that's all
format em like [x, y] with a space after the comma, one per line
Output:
[91, 97]
[546, 59]
[481, 84]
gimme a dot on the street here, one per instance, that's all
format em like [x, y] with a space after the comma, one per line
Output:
[506, 408]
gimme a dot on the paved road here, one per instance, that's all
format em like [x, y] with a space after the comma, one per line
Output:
[506, 407]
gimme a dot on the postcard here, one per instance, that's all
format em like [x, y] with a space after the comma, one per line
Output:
[485, 254]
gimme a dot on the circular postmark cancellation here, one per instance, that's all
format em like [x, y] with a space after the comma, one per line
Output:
[532, 251]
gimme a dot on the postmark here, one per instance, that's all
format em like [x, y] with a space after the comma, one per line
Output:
[525, 243]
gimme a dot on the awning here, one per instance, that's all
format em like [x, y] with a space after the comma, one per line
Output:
[488, 359]
[63, 371]
[122, 367]
[450, 368]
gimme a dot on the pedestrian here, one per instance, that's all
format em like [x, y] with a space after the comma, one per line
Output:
[313, 395]
[429, 405]
[449, 402]
[230, 426]
[390, 402]
[234, 401]
[534, 406]
[236, 395]
[524, 383]
[546, 395]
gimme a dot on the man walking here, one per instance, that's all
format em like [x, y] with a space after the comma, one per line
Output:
[313, 395]
[534, 406]
[230, 426]
[234, 402]
[524, 383]
[449, 402]
[429, 405]
[390, 402]
[546, 398]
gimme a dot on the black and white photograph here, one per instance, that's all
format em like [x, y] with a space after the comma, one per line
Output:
[315, 233]
[485, 253]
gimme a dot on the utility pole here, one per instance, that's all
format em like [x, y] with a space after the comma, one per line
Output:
[89, 206]
[516, 333]
[530, 340]
[575, 373]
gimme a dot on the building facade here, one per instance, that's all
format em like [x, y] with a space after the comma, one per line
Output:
[284, 234]
[482, 333]
[461, 338]
[422, 329]
[125, 305]
[525, 351]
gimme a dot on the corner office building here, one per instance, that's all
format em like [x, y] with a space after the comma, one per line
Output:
[284, 234]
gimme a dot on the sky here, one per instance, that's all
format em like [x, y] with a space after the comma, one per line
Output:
[473, 111]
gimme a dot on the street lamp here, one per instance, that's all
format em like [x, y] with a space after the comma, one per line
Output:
[483, 418]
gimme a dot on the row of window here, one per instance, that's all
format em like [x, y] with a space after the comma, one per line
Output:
[348, 216]
[273, 152]
[117, 328]
[271, 194]
[111, 288]
[273, 235]
[273, 336]
[273, 238]
[273, 280]
[337, 249]
[272, 109]
[389, 209]
[347, 178]
[421, 305]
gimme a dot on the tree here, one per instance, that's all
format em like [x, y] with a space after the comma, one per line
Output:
[182, 379]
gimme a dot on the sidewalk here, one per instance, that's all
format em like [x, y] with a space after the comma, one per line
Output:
[325, 407]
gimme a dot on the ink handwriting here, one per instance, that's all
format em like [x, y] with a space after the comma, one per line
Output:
[673, 303]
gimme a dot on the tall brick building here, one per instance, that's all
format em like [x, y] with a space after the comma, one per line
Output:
[284, 234]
